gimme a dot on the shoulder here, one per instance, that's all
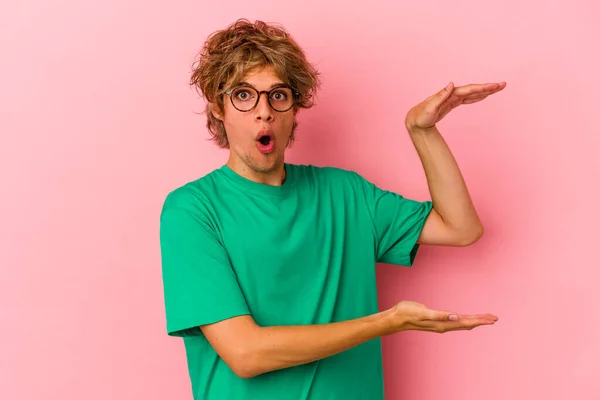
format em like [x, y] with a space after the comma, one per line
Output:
[193, 196]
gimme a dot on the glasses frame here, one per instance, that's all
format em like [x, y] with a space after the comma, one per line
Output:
[295, 96]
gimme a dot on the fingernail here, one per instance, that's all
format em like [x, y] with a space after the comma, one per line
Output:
[453, 317]
[448, 87]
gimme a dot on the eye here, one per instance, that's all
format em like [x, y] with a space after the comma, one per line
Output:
[243, 94]
[279, 95]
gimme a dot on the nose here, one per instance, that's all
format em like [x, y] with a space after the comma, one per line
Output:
[263, 110]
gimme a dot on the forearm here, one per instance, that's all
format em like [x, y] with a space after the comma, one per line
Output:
[448, 190]
[278, 347]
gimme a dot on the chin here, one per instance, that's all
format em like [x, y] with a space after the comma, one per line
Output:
[264, 164]
[268, 166]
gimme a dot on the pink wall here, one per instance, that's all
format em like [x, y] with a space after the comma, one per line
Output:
[97, 124]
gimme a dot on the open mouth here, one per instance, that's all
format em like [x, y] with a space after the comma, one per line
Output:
[265, 140]
[265, 143]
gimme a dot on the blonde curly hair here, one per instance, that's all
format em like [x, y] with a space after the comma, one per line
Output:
[228, 54]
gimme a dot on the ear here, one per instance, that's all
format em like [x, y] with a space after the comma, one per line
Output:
[214, 110]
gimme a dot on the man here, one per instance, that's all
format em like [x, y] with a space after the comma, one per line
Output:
[269, 267]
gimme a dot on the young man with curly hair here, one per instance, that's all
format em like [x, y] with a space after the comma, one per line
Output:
[269, 267]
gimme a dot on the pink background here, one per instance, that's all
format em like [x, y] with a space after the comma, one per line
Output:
[97, 124]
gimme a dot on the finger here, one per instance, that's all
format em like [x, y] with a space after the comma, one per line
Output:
[482, 316]
[469, 323]
[481, 88]
[473, 100]
[447, 326]
[483, 94]
[470, 99]
[461, 322]
[463, 328]
[443, 95]
[466, 324]
[456, 100]
[477, 93]
[500, 87]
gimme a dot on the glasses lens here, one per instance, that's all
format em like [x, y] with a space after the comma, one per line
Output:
[244, 98]
[281, 99]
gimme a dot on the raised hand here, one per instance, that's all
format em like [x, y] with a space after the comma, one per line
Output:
[409, 315]
[430, 111]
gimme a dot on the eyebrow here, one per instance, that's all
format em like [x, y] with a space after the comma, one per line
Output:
[277, 84]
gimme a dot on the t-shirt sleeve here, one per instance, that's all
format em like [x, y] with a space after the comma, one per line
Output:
[200, 285]
[398, 222]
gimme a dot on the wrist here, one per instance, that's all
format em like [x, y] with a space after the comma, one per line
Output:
[392, 322]
[415, 131]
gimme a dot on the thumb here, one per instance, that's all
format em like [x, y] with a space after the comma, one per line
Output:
[445, 92]
[443, 316]
[447, 89]
[442, 95]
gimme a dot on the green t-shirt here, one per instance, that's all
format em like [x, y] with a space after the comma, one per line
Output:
[300, 253]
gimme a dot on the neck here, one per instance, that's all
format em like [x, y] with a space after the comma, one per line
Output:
[272, 177]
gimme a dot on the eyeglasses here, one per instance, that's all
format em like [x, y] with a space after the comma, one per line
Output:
[245, 98]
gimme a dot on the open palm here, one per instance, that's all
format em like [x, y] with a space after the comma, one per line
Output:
[431, 110]
[416, 316]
